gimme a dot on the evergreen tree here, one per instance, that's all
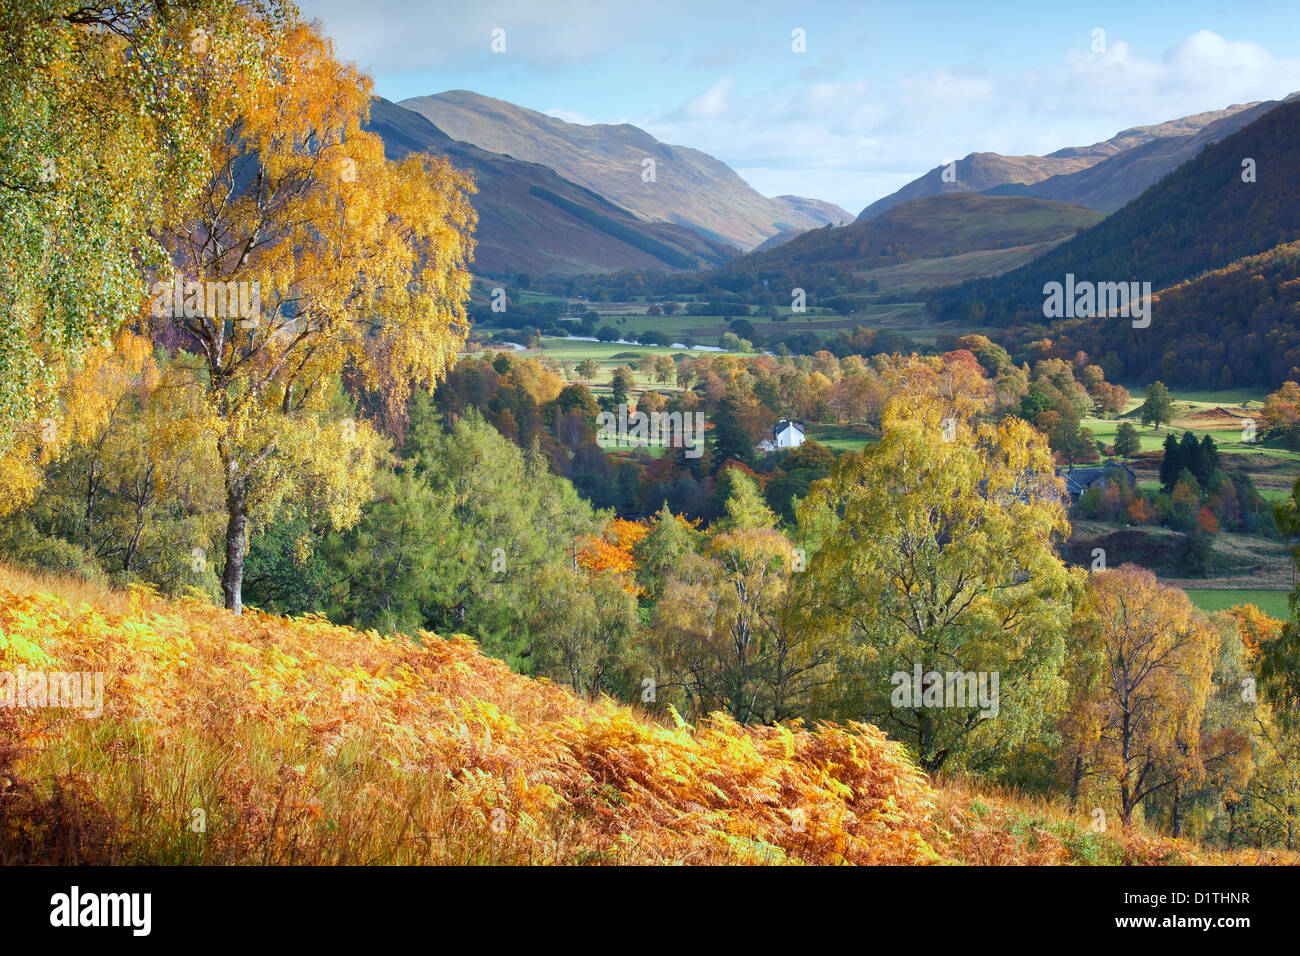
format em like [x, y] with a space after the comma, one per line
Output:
[661, 554]
[1207, 460]
[1172, 463]
[621, 384]
[729, 438]
[1127, 443]
[744, 506]
[1189, 454]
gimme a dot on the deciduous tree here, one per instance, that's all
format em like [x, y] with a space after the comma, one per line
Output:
[359, 263]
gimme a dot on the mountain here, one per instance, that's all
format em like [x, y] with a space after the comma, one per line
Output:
[690, 188]
[1200, 217]
[1238, 326]
[824, 212]
[533, 221]
[1103, 176]
[922, 243]
[1111, 183]
[780, 239]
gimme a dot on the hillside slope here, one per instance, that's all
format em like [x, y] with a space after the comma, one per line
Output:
[1198, 218]
[922, 243]
[296, 741]
[1068, 175]
[934, 226]
[1233, 327]
[691, 188]
[1109, 184]
[533, 221]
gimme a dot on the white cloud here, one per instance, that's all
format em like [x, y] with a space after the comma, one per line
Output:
[817, 129]
[854, 141]
[395, 36]
[711, 103]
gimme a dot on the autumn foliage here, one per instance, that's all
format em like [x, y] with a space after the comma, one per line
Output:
[611, 553]
[304, 742]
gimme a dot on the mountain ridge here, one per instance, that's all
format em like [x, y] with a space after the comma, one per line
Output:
[690, 187]
[532, 220]
[1201, 217]
[1103, 176]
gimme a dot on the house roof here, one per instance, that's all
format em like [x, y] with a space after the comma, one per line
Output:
[783, 424]
[1079, 480]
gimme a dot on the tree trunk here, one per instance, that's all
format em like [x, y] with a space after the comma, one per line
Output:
[1076, 780]
[1177, 824]
[133, 546]
[88, 515]
[1126, 798]
[232, 576]
[141, 499]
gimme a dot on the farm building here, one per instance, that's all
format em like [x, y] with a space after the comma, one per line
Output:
[786, 434]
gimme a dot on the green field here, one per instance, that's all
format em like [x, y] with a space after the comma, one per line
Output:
[907, 318]
[602, 352]
[567, 350]
[1272, 603]
[1187, 405]
[840, 437]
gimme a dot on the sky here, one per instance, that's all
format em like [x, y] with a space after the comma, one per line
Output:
[880, 93]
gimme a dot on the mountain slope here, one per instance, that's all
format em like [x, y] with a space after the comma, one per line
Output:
[1238, 326]
[1092, 176]
[922, 243]
[690, 188]
[1111, 183]
[307, 743]
[533, 221]
[824, 213]
[935, 226]
[1200, 217]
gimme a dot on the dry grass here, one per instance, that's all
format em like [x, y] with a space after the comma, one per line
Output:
[303, 742]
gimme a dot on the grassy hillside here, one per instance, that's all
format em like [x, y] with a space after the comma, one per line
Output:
[1111, 183]
[303, 742]
[934, 227]
[911, 249]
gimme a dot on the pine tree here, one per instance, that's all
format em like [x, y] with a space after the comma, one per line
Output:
[1189, 455]
[1172, 464]
[621, 384]
[1207, 460]
[729, 438]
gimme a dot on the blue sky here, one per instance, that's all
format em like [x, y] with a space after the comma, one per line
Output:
[883, 92]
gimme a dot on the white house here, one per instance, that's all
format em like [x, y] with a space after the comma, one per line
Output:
[786, 434]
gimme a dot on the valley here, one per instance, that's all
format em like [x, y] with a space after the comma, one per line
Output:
[608, 443]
